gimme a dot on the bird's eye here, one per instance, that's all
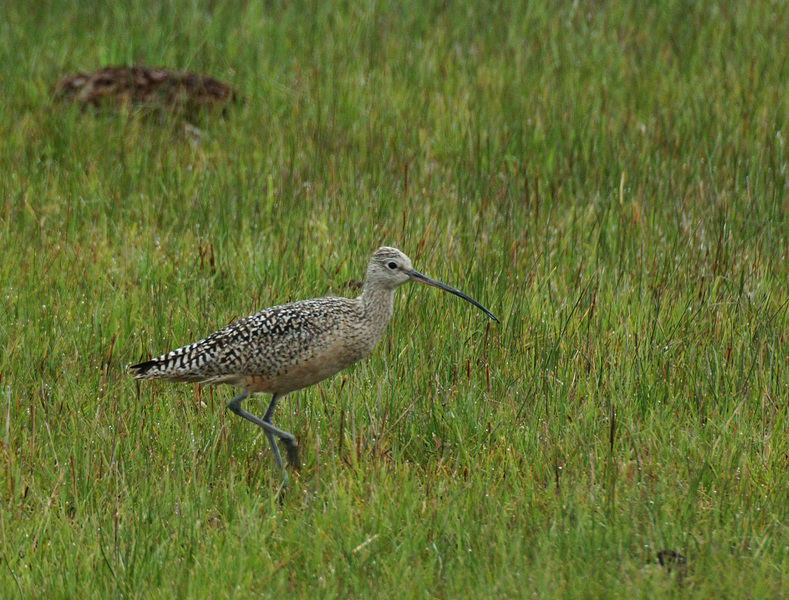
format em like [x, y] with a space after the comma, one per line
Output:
[392, 265]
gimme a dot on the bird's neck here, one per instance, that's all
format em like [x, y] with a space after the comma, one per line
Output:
[378, 306]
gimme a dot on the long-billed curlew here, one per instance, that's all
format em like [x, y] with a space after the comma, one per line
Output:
[289, 347]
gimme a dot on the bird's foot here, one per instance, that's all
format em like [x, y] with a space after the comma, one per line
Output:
[292, 453]
[282, 488]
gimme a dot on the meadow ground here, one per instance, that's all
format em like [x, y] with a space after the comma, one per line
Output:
[610, 178]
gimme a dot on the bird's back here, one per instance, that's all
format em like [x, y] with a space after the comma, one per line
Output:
[277, 350]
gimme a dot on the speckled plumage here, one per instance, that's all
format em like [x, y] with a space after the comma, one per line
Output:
[151, 87]
[286, 348]
[277, 350]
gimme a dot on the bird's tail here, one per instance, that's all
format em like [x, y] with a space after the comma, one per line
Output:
[146, 370]
[182, 364]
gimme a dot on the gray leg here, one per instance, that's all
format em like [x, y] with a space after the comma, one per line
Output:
[272, 441]
[271, 431]
[291, 446]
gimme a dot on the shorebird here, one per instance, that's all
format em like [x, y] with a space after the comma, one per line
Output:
[149, 87]
[286, 348]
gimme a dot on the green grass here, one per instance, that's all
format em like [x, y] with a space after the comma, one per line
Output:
[609, 178]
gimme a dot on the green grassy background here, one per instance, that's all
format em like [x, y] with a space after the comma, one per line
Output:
[610, 178]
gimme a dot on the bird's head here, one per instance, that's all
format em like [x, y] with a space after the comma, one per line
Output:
[389, 268]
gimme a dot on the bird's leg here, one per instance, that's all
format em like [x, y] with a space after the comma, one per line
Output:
[270, 430]
[272, 441]
[271, 406]
[291, 446]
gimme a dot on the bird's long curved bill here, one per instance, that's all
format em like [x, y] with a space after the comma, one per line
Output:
[417, 276]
